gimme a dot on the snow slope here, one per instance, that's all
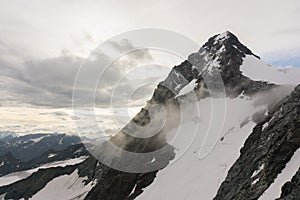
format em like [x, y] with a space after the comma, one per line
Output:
[200, 168]
[36, 140]
[198, 173]
[16, 176]
[258, 70]
[188, 88]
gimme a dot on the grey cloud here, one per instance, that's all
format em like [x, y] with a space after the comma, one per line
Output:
[49, 82]
[136, 91]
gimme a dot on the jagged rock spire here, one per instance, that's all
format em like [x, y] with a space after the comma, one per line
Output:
[230, 43]
[224, 54]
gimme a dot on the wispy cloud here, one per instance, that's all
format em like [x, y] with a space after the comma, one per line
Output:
[284, 57]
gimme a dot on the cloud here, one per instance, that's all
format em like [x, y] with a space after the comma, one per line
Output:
[284, 57]
[49, 82]
[292, 61]
[47, 27]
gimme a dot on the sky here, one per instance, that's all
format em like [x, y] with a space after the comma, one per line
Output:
[43, 43]
[45, 28]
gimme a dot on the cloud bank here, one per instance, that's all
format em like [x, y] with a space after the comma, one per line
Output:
[49, 82]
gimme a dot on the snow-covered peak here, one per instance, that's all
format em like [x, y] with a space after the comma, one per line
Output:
[220, 52]
[222, 55]
[223, 36]
[231, 43]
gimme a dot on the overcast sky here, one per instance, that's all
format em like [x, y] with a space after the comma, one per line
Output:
[42, 43]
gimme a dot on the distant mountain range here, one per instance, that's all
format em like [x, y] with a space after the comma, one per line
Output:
[29, 151]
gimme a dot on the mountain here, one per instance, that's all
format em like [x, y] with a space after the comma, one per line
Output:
[228, 132]
[31, 146]
[19, 153]
[6, 135]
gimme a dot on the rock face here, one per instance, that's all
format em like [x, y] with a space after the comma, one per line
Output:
[119, 185]
[265, 153]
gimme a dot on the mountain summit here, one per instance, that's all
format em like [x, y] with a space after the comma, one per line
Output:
[222, 55]
[230, 43]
